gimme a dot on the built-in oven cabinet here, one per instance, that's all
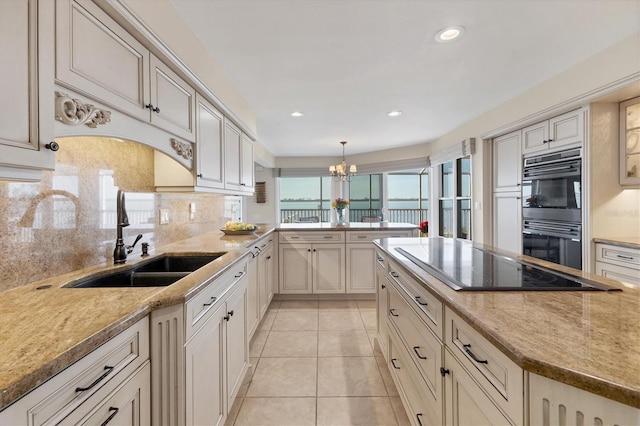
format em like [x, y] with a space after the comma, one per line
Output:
[507, 162]
[27, 61]
[558, 132]
[630, 142]
[98, 58]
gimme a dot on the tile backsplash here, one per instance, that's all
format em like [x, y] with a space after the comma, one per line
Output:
[68, 220]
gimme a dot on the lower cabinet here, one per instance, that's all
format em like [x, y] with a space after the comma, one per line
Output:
[110, 384]
[312, 268]
[200, 352]
[618, 263]
[382, 305]
[466, 402]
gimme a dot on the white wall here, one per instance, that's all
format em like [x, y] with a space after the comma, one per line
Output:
[265, 212]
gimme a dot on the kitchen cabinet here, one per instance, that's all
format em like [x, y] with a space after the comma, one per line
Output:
[630, 142]
[98, 58]
[312, 262]
[558, 132]
[253, 296]
[115, 375]
[618, 263]
[209, 145]
[200, 352]
[27, 63]
[238, 148]
[361, 258]
[507, 192]
[266, 270]
[260, 281]
[553, 402]
[382, 304]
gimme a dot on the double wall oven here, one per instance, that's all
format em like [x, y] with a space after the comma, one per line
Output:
[552, 207]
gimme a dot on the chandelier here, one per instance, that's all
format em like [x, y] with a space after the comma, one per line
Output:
[339, 171]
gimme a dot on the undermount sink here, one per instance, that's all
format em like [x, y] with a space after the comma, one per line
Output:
[159, 272]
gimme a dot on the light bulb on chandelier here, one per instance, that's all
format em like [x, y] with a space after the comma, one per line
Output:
[339, 172]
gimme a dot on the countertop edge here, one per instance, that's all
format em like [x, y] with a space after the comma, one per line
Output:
[595, 385]
[619, 242]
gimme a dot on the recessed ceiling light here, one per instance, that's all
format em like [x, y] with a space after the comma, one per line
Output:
[394, 113]
[448, 34]
[297, 114]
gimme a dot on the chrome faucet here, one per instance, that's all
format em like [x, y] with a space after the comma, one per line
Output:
[121, 251]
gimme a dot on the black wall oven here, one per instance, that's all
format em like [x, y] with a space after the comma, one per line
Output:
[552, 207]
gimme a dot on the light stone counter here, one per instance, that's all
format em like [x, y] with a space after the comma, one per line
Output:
[353, 226]
[629, 242]
[587, 339]
[44, 327]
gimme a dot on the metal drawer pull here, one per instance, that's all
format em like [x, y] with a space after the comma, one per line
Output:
[473, 357]
[362, 236]
[394, 275]
[113, 414]
[268, 257]
[238, 275]
[624, 257]
[393, 313]
[211, 301]
[419, 302]
[98, 380]
[418, 418]
[393, 362]
[415, 349]
[380, 259]
[328, 237]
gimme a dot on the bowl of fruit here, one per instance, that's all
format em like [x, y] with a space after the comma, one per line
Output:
[239, 228]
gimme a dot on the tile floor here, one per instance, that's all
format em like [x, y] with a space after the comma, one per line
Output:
[316, 363]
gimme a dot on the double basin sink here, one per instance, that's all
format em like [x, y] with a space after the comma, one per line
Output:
[157, 272]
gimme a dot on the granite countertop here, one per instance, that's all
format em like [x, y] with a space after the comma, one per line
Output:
[353, 226]
[587, 339]
[46, 327]
[629, 242]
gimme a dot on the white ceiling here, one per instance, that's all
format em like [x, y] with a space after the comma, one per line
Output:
[346, 63]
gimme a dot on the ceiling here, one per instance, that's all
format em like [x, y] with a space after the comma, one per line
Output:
[346, 63]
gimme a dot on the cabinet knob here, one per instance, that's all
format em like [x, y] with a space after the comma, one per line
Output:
[199, 175]
[444, 371]
[150, 106]
[53, 146]
[156, 109]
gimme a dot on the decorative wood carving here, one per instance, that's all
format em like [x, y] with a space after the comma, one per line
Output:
[75, 112]
[184, 149]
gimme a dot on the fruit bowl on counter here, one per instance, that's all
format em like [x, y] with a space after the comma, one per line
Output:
[239, 228]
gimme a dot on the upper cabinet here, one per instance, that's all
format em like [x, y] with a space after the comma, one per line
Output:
[98, 58]
[210, 146]
[238, 159]
[565, 129]
[507, 162]
[26, 71]
[630, 142]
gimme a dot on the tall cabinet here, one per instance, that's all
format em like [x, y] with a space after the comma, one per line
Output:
[507, 192]
[26, 68]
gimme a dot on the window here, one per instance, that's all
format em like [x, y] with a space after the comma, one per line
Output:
[455, 198]
[365, 196]
[305, 198]
[408, 196]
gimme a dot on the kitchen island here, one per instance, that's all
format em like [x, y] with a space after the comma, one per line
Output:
[589, 340]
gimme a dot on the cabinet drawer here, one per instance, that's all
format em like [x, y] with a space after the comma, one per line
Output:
[422, 406]
[128, 404]
[198, 309]
[498, 376]
[368, 236]
[621, 256]
[314, 237]
[424, 349]
[620, 273]
[105, 367]
[381, 260]
[423, 302]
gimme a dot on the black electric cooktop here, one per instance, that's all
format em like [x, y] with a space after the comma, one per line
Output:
[465, 267]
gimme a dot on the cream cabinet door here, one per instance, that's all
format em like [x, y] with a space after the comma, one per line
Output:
[232, 157]
[209, 145]
[295, 268]
[328, 268]
[26, 76]
[253, 294]
[535, 137]
[99, 59]
[566, 129]
[361, 268]
[265, 279]
[237, 360]
[173, 101]
[466, 403]
[507, 221]
[204, 372]
[247, 172]
[507, 162]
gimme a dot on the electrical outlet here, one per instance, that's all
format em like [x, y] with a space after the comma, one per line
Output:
[192, 211]
[164, 216]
